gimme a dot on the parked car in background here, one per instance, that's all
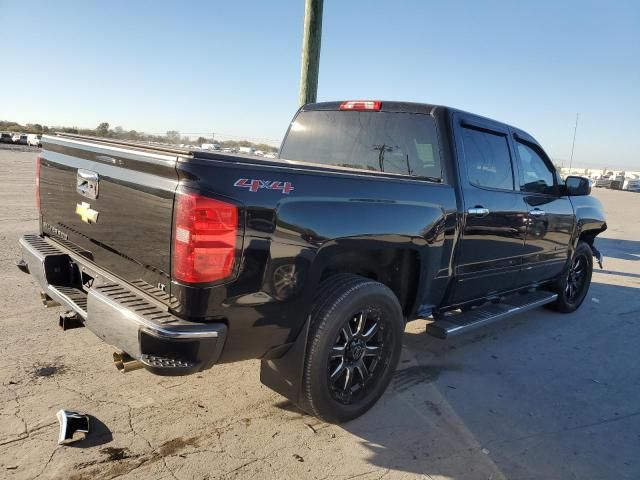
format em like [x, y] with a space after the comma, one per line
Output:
[249, 150]
[632, 185]
[34, 140]
[210, 146]
[617, 182]
[6, 137]
[603, 182]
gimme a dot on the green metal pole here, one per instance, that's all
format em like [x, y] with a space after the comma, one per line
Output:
[311, 40]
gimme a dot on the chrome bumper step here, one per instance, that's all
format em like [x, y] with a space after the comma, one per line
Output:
[120, 313]
[452, 324]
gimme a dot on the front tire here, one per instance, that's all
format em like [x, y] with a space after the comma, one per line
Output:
[354, 346]
[573, 285]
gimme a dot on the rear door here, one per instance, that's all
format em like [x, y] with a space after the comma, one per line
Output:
[494, 217]
[550, 216]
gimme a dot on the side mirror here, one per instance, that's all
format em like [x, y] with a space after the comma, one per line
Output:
[577, 186]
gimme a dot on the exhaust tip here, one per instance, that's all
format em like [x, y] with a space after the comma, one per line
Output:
[125, 363]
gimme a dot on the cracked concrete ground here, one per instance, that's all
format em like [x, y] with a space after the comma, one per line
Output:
[543, 395]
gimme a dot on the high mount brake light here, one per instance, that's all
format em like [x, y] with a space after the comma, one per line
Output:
[204, 238]
[38, 161]
[361, 105]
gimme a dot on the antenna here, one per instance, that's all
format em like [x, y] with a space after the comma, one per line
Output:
[573, 144]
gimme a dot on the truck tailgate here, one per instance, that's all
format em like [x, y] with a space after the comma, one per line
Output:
[113, 205]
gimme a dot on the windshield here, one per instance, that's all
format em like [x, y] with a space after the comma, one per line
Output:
[404, 143]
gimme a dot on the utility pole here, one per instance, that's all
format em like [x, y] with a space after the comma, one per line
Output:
[575, 129]
[311, 39]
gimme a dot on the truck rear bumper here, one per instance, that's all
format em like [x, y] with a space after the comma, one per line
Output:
[120, 314]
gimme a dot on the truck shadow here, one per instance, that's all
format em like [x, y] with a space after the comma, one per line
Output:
[622, 249]
[542, 395]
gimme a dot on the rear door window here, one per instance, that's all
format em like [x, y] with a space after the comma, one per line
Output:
[487, 158]
[402, 143]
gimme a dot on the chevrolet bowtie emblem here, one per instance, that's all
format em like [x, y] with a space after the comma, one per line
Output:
[87, 214]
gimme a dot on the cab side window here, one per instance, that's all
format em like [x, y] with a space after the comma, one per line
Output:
[535, 175]
[488, 159]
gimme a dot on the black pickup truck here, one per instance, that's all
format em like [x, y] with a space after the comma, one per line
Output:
[376, 213]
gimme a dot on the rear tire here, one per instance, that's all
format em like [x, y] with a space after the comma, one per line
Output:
[573, 285]
[354, 345]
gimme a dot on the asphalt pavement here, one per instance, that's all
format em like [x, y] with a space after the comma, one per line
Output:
[539, 396]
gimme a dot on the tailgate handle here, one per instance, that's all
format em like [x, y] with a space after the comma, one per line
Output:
[87, 183]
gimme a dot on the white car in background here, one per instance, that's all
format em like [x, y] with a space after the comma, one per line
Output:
[210, 146]
[19, 139]
[632, 184]
[34, 140]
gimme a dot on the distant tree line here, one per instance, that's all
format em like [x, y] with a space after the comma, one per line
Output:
[104, 130]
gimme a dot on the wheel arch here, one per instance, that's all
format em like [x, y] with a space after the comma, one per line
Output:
[395, 264]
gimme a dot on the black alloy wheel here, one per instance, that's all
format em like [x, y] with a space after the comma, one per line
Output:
[355, 355]
[573, 285]
[354, 344]
[576, 278]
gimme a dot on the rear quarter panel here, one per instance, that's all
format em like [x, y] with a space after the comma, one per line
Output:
[325, 215]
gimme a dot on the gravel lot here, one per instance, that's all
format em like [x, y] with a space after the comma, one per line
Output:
[543, 395]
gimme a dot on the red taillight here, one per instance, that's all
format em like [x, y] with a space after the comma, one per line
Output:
[204, 238]
[361, 105]
[38, 160]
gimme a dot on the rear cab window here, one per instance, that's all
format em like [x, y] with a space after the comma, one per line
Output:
[377, 141]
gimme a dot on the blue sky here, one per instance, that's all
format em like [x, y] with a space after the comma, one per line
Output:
[233, 67]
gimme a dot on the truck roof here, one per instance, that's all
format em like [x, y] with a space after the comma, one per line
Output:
[414, 107]
[387, 106]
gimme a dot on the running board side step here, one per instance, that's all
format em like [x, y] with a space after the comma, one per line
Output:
[452, 324]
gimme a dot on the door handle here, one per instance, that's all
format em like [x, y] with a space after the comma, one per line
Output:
[536, 212]
[478, 211]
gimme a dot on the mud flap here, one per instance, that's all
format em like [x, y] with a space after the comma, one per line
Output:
[284, 375]
[598, 256]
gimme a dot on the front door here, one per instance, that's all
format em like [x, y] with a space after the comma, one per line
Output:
[495, 214]
[550, 216]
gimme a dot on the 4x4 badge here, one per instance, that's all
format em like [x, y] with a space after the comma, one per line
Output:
[254, 185]
[87, 214]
